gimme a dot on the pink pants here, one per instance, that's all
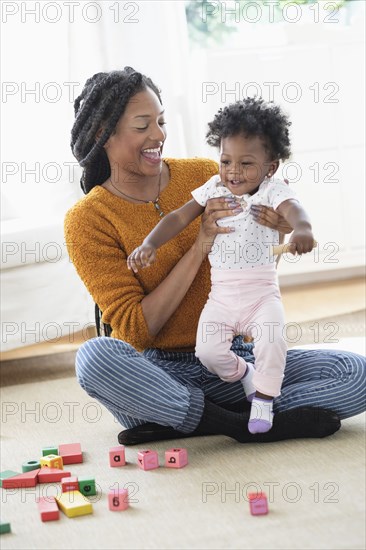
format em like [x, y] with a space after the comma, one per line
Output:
[246, 302]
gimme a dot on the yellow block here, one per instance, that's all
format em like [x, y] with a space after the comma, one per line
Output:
[73, 504]
[52, 461]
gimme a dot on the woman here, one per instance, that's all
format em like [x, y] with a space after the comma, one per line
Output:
[147, 374]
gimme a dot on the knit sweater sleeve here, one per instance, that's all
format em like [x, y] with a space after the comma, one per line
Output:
[100, 261]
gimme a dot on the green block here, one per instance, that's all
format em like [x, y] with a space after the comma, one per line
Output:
[87, 486]
[4, 528]
[30, 465]
[6, 474]
[49, 451]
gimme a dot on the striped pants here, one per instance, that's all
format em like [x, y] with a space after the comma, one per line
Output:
[169, 388]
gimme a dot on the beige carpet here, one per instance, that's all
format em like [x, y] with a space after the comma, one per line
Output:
[315, 487]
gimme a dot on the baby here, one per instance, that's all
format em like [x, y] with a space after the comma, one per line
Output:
[253, 138]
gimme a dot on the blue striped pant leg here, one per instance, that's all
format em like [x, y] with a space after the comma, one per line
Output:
[188, 369]
[133, 388]
[329, 379]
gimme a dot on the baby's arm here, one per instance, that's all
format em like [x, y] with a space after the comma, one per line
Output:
[170, 226]
[302, 239]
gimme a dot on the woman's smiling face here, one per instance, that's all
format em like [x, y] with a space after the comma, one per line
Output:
[137, 144]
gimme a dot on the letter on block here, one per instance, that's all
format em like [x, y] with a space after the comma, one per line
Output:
[51, 475]
[258, 504]
[117, 456]
[71, 453]
[29, 479]
[30, 465]
[147, 460]
[52, 461]
[176, 458]
[48, 508]
[73, 504]
[69, 484]
[87, 486]
[50, 451]
[118, 500]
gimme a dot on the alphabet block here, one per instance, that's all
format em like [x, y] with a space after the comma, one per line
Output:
[87, 486]
[118, 500]
[48, 508]
[52, 461]
[30, 465]
[69, 484]
[73, 504]
[50, 451]
[71, 453]
[147, 460]
[6, 474]
[176, 458]
[4, 528]
[258, 504]
[29, 479]
[117, 456]
[51, 475]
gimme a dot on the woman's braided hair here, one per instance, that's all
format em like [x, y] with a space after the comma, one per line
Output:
[100, 105]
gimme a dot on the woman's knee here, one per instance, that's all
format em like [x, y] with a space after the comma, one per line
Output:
[91, 356]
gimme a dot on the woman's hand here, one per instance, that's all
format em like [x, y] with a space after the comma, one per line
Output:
[215, 210]
[268, 217]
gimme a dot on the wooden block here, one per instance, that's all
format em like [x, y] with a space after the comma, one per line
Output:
[147, 460]
[48, 508]
[51, 475]
[29, 479]
[52, 461]
[50, 451]
[6, 474]
[30, 465]
[69, 484]
[73, 504]
[258, 504]
[4, 528]
[87, 486]
[176, 458]
[118, 500]
[71, 453]
[117, 456]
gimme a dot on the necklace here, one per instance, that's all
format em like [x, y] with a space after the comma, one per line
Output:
[155, 202]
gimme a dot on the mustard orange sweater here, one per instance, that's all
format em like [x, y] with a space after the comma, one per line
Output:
[101, 230]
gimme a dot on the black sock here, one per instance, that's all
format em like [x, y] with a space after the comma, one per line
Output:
[302, 422]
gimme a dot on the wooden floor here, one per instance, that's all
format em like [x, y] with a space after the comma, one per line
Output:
[302, 303]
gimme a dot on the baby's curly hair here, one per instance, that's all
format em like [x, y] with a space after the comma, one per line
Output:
[253, 117]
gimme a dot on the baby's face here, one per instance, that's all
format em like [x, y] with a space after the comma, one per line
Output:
[244, 163]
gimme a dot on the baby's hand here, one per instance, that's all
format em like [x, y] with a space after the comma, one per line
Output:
[301, 241]
[142, 256]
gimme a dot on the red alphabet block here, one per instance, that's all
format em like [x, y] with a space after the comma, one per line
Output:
[147, 460]
[48, 508]
[118, 500]
[117, 456]
[258, 504]
[71, 453]
[70, 483]
[29, 479]
[176, 458]
[51, 475]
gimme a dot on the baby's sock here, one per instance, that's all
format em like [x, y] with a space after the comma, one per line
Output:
[261, 415]
[249, 389]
